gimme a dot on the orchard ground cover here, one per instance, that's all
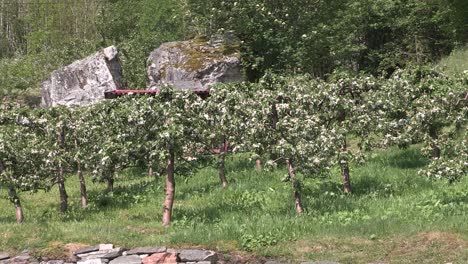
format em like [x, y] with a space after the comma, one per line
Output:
[394, 215]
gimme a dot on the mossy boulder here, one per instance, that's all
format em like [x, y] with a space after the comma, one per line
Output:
[195, 64]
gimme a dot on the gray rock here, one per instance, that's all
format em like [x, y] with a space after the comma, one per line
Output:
[132, 259]
[105, 247]
[106, 254]
[85, 81]
[93, 261]
[87, 250]
[321, 262]
[53, 262]
[21, 258]
[274, 262]
[193, 65]
[204, 262]
[172, 251]
[146, 250]
[4, 255]
[196, 255]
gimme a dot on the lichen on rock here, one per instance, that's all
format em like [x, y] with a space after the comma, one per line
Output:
[195, 64]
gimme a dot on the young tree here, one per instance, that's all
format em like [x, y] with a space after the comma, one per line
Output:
[22, 155]
[224, 117]
[301, 136]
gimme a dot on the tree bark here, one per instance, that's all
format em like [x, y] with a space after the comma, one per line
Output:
[110, 183]
[84, 199]
[170, 190]
[61, 176]
[435, 152]
[222, 171]
[16, 201]
[62, 190]
[221, 164]
[296, 187]
[150, 169]
[258, 165]
[344, 164]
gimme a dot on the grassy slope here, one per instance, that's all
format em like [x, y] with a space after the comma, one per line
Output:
[394, 215]
[456, 63]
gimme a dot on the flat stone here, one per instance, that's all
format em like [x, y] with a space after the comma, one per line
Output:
[146, 250]
[105, 247]
[159, 258]
[87, 250]
[172, 250]
[108, 254]
[4, 255]
[198, 255]
[21, 258]
[53, 262]
[321, 262]
[93, 261]
[203, 262]
[112, 255]
[132, 259]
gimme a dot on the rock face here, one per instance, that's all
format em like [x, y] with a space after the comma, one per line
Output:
[195, 64]
[85, 81]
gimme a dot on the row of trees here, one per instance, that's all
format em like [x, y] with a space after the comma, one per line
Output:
[299, 121]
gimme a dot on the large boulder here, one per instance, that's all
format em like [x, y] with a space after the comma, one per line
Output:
[84, 82]
[196, 64]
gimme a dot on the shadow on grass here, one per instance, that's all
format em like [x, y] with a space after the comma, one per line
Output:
[123, 196]
[410, 158]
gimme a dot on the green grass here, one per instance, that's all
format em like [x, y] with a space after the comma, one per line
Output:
[394, 215]
[456, 63]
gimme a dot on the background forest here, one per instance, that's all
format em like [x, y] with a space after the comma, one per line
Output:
[303, 36]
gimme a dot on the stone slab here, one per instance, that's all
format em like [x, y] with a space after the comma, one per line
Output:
[146, 250]
[196, 255]
[93, 261]
[87, 250]
[108, 254]
[132, 259]
[105, 247]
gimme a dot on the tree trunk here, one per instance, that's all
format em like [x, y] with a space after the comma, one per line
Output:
[344, 164]
[110, 183]
[258, 165]
[221, 164]
[435, 152]
[170, 189]
[84, 200]
[150, 169]
[62, 190]
[61, 175]
[433, 133]
[222, 170]
[16, 201]
[296, 187]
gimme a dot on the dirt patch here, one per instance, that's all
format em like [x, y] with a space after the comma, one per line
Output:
[57, 250]
[72, 247]
[425, 241]
[431, 246]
